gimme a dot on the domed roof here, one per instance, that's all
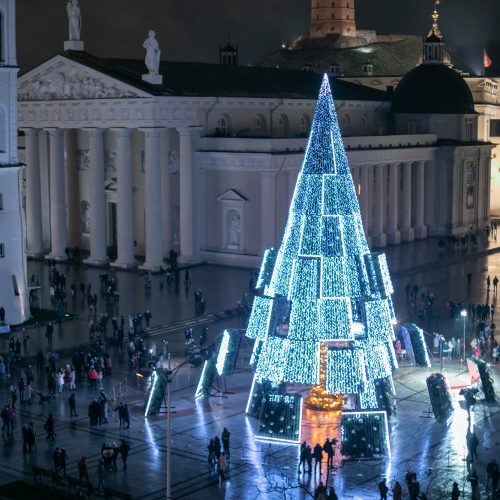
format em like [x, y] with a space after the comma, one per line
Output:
[433, 88]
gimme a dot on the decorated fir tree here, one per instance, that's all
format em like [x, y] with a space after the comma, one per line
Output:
[324, 315]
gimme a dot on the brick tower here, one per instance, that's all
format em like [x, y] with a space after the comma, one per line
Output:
[332, 17]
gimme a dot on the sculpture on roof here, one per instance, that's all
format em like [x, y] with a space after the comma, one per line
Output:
[74, 19]
[152, 53]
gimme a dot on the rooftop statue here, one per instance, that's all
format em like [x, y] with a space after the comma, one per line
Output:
[74, 19]
[152, 53]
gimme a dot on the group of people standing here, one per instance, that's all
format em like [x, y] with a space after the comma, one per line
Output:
[219, 453]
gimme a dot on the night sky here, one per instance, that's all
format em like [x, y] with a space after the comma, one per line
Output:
[193, 29]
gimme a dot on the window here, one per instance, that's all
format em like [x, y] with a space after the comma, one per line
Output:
[334, 70]
[1, 201]
[495, 128]
[333, 4]
[260, 124]
[308, 67]
[14, 285]
[412, 128]
[2, 250]
[345, 122]
[224, 126]
[305, 125]
[333, 16]
[283, 126]
[469, 130]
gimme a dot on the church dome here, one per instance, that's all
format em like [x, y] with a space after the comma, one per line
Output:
[433, 88]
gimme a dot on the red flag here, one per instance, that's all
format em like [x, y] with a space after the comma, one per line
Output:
[486, 60]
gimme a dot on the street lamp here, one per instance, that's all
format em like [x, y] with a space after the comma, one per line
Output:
[463, 313]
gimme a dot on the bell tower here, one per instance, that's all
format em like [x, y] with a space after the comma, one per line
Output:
[13, 290]
[332, 17]
[433, 47]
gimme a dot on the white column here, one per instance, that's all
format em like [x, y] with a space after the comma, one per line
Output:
[378, 236]
[33, 194]
[58, 235]
[186, 222]
[98, 217]
[268, 210]
[364, 196]
[166, 183]
[406, 229]
[420, 227]
[72, 189]
[125, 205]
[152, 200]
[430, 217]
[393, 235]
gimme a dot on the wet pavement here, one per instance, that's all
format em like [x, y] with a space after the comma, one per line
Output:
[257, 470]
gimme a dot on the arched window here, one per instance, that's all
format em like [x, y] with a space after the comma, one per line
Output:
[224, 126]
[345, 123]
[364, 123]
[305, 125]
[283, 126]
[260, 124]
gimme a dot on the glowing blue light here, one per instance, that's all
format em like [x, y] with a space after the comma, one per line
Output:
[323, 284]
[154, 376]
[223, 350]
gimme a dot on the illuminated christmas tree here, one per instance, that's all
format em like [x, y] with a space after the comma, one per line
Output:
[324, 316]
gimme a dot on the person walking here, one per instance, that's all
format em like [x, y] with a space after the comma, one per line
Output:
[474, 483]
[318, 457]
[83, 469]
[492, 475]
[101, 474]
[455, 491]
[330, 452]
[49, 427]
[49, 330]
[472, 444]
[222, 466]
[495, 285]
[72, 405]
[302, 457]
[225, 441]
[397, 491]
[383, 489]
[124, 449]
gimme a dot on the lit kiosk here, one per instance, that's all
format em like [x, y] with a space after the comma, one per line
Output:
[323, 316]
[13, 293]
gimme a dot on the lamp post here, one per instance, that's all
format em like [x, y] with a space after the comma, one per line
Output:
[463, 313]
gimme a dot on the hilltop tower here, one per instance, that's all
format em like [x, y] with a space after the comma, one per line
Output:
[332, 17]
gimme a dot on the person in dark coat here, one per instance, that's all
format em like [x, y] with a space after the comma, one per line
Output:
[124, 449]
[225, 441]
[318, 457]
[383, 489]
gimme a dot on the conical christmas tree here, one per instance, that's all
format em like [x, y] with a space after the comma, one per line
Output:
[323, 291]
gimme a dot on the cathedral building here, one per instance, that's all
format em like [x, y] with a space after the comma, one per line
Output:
[203, 158]
[13, 272]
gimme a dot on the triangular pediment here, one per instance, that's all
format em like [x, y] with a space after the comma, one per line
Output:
[59, 78]
[231, 195]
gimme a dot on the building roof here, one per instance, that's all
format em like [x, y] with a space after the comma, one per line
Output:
[433, 88]
[203, 79]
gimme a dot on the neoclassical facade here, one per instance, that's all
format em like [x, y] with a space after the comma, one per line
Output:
[204, 161]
